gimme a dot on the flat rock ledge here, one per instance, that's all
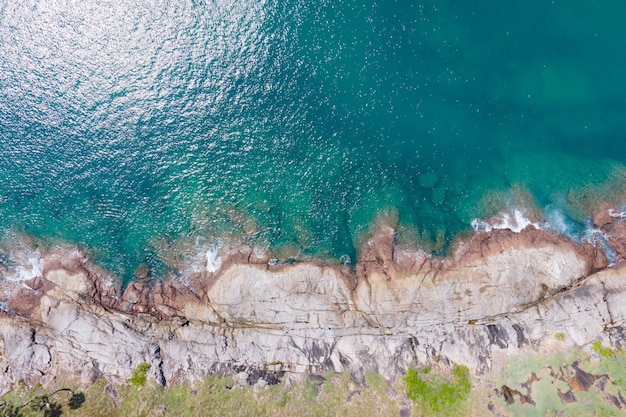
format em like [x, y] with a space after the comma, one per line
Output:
[498, 294]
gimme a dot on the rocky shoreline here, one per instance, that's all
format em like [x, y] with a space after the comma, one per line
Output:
[497, 294]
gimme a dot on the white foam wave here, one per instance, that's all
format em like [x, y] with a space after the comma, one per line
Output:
[596, 236]
[27, 266]
[515, 221]
[617, 214]
[213, 261]
[557, 221]
[206, 258]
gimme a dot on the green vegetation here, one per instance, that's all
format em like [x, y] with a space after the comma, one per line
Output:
[568, 383]
[560, 336]
[36, 402]
[612, 362]
[376, 381]
[437, 396]
[335, 394]
[604, 352]
[310, 390]
[138, 378]
[572, 382]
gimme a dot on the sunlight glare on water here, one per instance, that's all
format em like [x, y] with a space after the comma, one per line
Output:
[126, 127]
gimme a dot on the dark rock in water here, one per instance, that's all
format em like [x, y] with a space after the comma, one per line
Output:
[428, 180]
[601, 261]
[142, 272]
[439, 195]
[617, 237]
[5, 261]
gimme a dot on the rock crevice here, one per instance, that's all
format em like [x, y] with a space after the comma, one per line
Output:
[499, 293]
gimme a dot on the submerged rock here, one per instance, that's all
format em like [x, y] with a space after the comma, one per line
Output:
[428, 180]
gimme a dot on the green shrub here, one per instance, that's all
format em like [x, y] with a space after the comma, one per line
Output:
[10, 410]
[138, 378]
[605, 352]
[560, 336]
[35, 401]
[434, 396]
[39, 403]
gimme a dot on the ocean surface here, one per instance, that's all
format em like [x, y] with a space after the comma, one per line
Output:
[127, 127]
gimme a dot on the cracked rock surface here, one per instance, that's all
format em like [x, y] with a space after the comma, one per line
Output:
[498, 294]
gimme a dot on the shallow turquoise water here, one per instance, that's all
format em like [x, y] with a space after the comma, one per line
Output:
[124, 125]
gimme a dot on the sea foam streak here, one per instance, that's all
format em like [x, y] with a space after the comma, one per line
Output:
[515, 222]
[596, 236]
[618, 214]
[213, 261]
[27, 265]
[556, 221]
[204, 258]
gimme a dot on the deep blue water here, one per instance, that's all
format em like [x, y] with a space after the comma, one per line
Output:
[126, 127]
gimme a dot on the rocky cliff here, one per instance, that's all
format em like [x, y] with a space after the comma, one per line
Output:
[499, 293]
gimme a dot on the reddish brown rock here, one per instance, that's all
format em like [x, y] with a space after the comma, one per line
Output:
[466, 308]
[581, 380]
[24, 301]
[602, 217]
[566, 397]
[616, 233]
[600, 261]
[482, 244]
[142, 272]
[377, 252]
[413, 261]
[379, 247]
[35, 283]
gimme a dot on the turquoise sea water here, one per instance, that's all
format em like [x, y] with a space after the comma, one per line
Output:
[124, 125]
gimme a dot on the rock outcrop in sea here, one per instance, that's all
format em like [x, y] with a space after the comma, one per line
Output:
[498, 294]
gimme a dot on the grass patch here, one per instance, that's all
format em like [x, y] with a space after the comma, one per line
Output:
[310, 389]
[40, 402]
[548, 378]
[138, 378]
[436, 395]
[376, 382]
[336, 394]
[605, 352]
